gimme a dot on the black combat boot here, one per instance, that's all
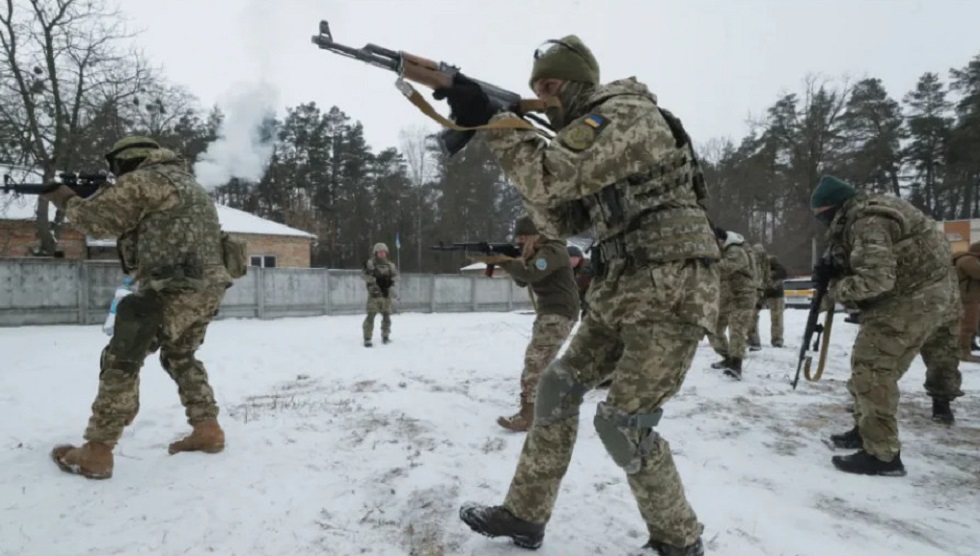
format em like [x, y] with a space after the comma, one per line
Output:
[941, 412]
[777, 343]
[664, 549]
[385, 340]
[850, 440]
[755, 347]
[497, 521]
[734, 368]
[863, 463]
[367, 343]
[723, 364]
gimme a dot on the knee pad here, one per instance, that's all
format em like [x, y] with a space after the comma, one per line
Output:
[138, 320]
[172, 359]
[627, 437]
[559, 395]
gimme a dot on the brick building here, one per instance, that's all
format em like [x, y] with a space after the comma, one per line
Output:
[269, 243]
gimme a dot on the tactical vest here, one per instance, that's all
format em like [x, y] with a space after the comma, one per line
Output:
[180, 248]
[743, 280]
[922, 253]
[656, 215]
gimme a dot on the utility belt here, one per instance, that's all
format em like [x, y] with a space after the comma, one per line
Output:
[617, 249]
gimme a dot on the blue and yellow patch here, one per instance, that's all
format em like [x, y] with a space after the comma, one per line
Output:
[541, 264]
[582, 133]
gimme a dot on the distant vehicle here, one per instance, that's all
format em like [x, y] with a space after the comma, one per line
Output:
[798, 292]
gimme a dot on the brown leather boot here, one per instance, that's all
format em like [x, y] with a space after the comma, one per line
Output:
[520, 421]
[207, 436]
[92, 459]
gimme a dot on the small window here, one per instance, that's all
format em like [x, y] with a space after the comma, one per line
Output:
[265, 261]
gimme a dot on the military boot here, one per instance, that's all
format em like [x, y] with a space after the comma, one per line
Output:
[734, 368]
[385, 340]
[755, 347]
[497, 521]
[723, 364]
[941, 412]
[863, 463]
[520, 421]
[850, 440]
[664, 549]
[367, 342]
[92, 459]
[207, 436]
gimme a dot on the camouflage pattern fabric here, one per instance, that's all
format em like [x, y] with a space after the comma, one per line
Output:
[739, 295]
[547, 336]
[178, 331]
[895, 267]
[170, 218]
[776, 306]
[657, 331]
[890, 336]
[618, 169]
[380, 275]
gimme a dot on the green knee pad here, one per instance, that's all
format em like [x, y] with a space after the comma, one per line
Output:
[559, 395]
[138, 320]
[627, 437]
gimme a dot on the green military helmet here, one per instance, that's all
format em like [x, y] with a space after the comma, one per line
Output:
[565, 58]
[129, 148]
[378, 247]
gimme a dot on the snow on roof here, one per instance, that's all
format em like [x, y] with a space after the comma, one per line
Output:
[22, 207]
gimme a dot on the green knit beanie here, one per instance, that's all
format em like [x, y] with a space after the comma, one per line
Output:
[831, 191]
[567, 58]
[525, 227]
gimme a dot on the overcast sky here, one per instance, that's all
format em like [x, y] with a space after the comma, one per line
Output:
[714, 63]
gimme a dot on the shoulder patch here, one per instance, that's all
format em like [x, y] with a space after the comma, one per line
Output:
[580, 134]
[541, 264]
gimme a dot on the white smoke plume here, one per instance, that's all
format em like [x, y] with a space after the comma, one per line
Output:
[243, 147]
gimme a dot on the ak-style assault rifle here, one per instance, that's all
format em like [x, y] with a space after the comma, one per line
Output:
[482, 248]
[83, 184]
[813, 327]
[436, 75]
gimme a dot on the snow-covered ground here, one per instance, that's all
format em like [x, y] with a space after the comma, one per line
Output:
[335, 449]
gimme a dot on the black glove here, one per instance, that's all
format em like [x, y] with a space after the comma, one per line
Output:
[470, 104]
[823, 272]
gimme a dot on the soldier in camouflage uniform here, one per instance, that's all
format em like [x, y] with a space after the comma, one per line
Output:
[380, 274]
[169, 235]
[626, 168]
[772, 275]
[759, 268]
[888, 259]
[547, 270]
[739, 295]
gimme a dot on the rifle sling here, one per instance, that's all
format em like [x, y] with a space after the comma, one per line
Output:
[423, 105]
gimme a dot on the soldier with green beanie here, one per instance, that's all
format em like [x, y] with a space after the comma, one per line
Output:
[887, 259]
[625, 169]
[169, 237]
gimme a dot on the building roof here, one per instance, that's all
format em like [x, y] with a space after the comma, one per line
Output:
[22, 207]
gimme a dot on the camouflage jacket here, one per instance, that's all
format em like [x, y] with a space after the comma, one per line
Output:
[737, 268]
[548, 271]
[777, 273]
[618, 168]
[166, 224]
[882, 248]
[380, 275]
[967, 266]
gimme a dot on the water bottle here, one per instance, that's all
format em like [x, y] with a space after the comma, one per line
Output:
[122, 291]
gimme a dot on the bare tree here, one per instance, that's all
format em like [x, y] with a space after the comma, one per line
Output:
[62, 60]
[422, 169]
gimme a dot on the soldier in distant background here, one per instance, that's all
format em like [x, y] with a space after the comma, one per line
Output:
[887, 259]
[739, 295]
[380, 274]
[967, 264]
[773, 298]
[169, 236]
[760, 267]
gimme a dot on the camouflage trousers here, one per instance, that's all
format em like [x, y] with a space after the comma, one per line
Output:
[891, 335]
[547, 336]
[147, 321]
[777, 306]
[735, 316]
[377, 305]
[642, 329]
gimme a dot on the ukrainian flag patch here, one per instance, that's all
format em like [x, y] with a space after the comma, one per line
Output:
[594, 121]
